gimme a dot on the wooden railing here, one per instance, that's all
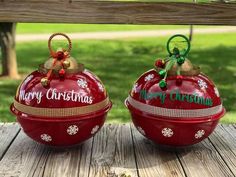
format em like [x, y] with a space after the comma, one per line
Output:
[107, 12]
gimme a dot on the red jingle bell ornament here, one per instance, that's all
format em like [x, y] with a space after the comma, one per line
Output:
[176, 105]
[61, 112]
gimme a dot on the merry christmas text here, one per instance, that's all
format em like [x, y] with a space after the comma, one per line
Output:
[54, 94]
[176, 95]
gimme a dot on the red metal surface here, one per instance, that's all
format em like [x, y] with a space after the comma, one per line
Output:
[175, 130]
[90, 88]
[61, 131]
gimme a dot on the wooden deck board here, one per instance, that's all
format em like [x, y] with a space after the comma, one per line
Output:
[203, 160]
[224, 140]
[7, 134]
[23, 154]
[113, 153]
[116, 150]
[67, 161]
[153, 161]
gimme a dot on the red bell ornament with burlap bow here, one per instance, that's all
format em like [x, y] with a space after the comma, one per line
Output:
[61, 103]
[175, 104]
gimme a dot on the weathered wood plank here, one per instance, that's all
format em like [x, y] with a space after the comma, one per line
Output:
[8, 132]
[26, 158]
[22, 154]
[113, 153]
[105, 12]
[202, 159]
[152, 161]
[224, 140]
[69, 162]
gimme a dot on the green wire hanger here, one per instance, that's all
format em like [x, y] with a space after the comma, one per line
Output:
[178, 46]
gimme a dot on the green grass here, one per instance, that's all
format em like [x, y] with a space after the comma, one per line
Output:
[120, 62]
[73, 28]
[34, 28]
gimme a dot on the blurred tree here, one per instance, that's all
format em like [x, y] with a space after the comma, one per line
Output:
[7, 44]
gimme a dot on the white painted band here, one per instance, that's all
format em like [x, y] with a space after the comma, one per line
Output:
[183, 113]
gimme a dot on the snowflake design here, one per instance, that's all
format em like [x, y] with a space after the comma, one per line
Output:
[141, 130]
[149, 77]
[199, 134]
[167, 132]
[100, 86]
[202, 83]
[82, 83]
[46, 137]
[72, 130]
[135, 88]
[95, 129]
[216, 92]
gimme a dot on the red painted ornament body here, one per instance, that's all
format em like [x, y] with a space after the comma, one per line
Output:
[66, 111]
[184, 113]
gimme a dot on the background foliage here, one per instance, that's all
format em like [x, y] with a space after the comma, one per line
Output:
[120, 62]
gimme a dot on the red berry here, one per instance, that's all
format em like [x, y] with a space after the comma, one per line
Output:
[60, 55]
[179, 79]
[62, 73]
[160, 63]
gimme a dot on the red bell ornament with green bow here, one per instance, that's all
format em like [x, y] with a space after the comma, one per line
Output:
[174, 103]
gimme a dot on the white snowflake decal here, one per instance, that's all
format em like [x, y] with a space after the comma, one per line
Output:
[72, 130]
[135, 88]
[46, 137]
[202, 83]
[95, 129]
[216, 92]
[141, 130]
[100, 86]
[167, 132]
[149, 77]
[199, 134]
[82, 83]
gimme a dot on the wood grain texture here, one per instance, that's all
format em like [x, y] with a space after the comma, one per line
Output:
[224, 140]
[69, 162]
[202, 159]
[24, 154]
[153, 161]
[26, 158]
[117, 150]
[8, 132]
[105, 12]
[113, 153]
